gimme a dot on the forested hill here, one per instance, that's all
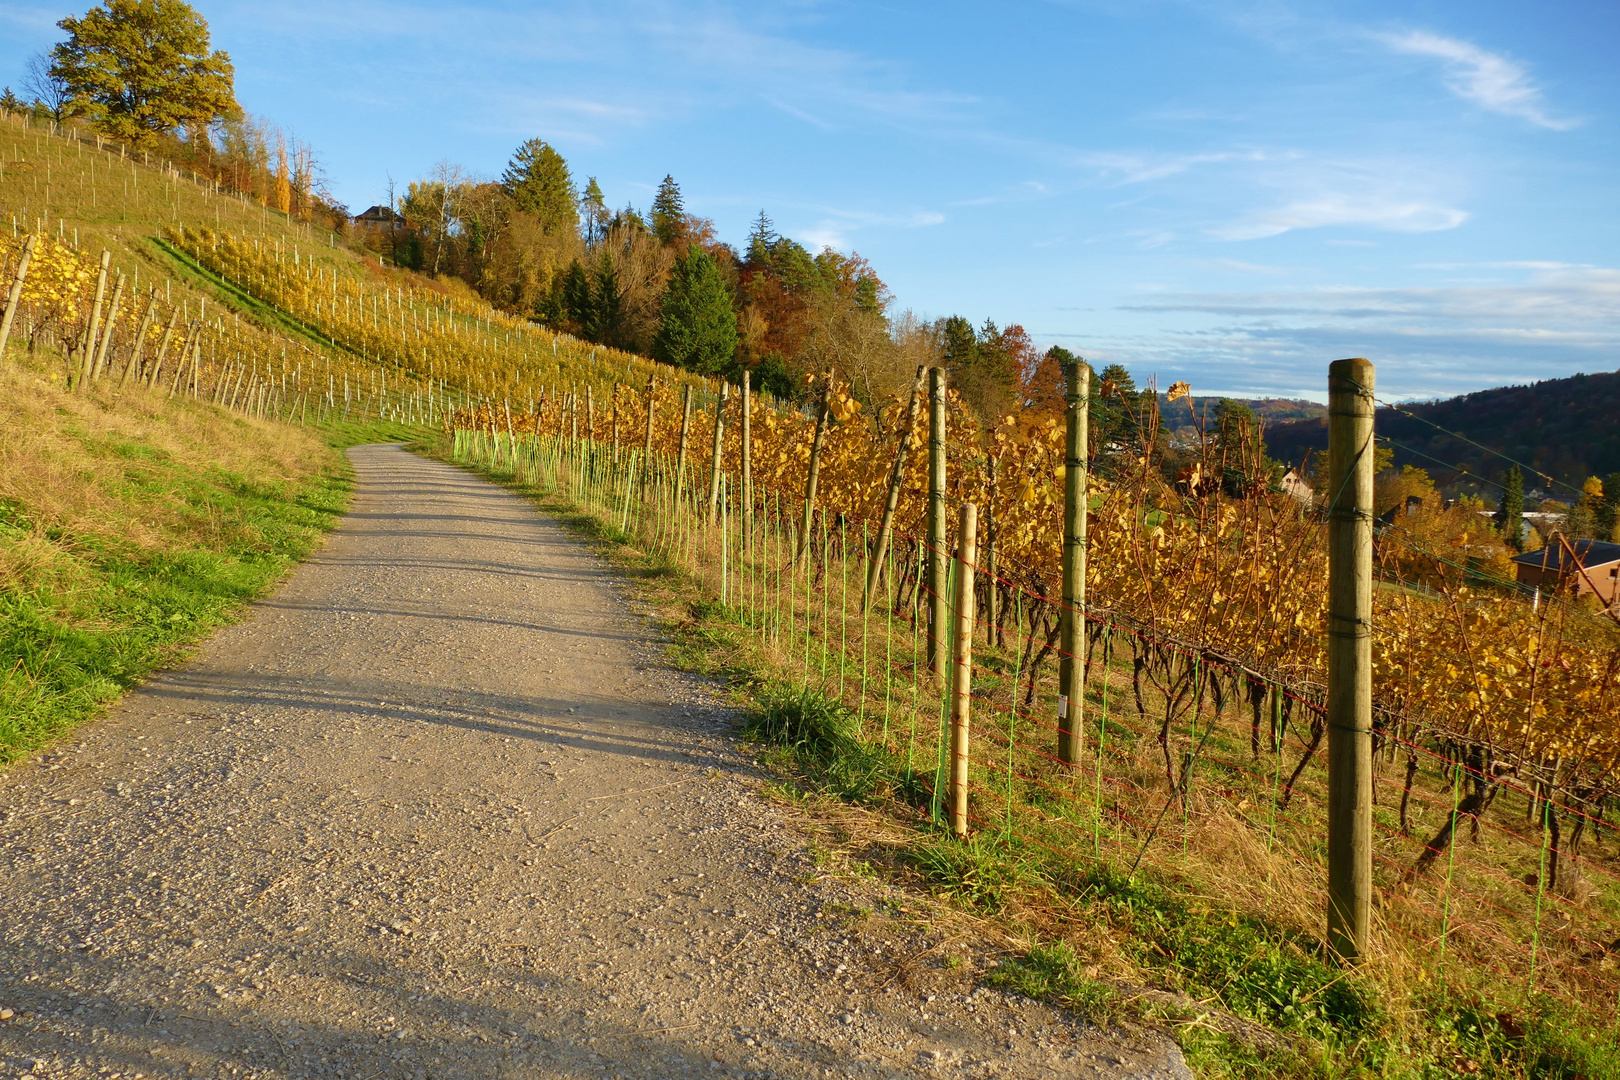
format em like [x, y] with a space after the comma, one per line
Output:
[1568, 429]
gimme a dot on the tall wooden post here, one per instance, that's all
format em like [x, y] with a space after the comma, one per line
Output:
[646, 449]
[680, 461]
[938, 602]
[82, 376]
[880, 550]
[747, 462]
[990, 568]
[15, 296]
[1072, 617]
[813, 475]
[962, 667]
[719, 446]
[107, 330]
[132, 370]
[1349, 655]
[163, 348]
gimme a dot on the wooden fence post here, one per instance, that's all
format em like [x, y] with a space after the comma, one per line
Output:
[962, 667]
[747, 462]
[680, 463]
[107, 331]
[646, 449]
[163, 347]
[1072, 615]
[1349, 649]
[132, 370]
[938, 602]
[880, 550]
[82, 376]
[719, 447]
[814, 472]
[15, 297]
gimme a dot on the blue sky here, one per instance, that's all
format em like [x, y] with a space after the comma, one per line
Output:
[1233, 194]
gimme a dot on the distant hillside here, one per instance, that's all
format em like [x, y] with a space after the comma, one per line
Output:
[1178, 420]
[1568, 429]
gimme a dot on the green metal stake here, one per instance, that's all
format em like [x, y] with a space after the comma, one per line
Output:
[1541, 888]
[1451, 861]
[888, 649]
[1276, 771]
[1012, 704]
[843, 606]
[916, 637]
[941, 742]
[866, 616]
[826, 572]
[1102, 733]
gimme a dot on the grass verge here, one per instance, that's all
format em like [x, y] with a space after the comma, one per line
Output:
[130, 527]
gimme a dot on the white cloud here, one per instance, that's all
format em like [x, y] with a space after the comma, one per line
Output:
[1490, 80]
[1391, 212]
[835, 229]
[1426, 340]
[1127, 168]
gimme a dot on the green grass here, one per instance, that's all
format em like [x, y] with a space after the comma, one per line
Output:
[114, 613]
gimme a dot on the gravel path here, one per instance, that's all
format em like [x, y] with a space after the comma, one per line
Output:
[437, 809]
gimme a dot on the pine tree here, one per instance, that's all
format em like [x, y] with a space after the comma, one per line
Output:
[762, 241]
[603, 324]
[1510, 510]
[538, 181]
[1609, 510]
[577, 302]
[668, 212]
[11, 103]
[596, 213]
[698, 328]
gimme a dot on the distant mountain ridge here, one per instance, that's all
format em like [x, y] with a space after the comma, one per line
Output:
[1565, 429]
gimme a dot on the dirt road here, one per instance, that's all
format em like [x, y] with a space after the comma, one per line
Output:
[436, 809]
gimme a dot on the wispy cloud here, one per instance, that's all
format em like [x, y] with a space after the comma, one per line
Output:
[1391, 212]
[1427, 341]
[1490, 80]
[1134, 168]
[836, 229]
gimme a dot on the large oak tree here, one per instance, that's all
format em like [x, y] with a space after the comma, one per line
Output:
[141, 68]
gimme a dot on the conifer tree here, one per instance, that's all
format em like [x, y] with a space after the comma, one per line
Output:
[668, 212]
[1608, 511]
[603, 324]
[538, 181]
[1510, 509]
[762, 240]
[11, 103]
[596, 213]
[698, 328]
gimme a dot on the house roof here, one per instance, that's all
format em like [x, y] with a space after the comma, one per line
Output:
[376, 213]
[1590, 553]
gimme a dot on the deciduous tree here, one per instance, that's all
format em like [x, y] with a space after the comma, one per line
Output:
[140, 68]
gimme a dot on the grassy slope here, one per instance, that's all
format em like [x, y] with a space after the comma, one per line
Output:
[1245, 995]
[131, 527]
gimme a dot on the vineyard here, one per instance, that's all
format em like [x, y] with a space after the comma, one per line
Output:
[1202, 732]
[819, 531]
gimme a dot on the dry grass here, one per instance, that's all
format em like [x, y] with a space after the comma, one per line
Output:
[130, 526]
[81, 466]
